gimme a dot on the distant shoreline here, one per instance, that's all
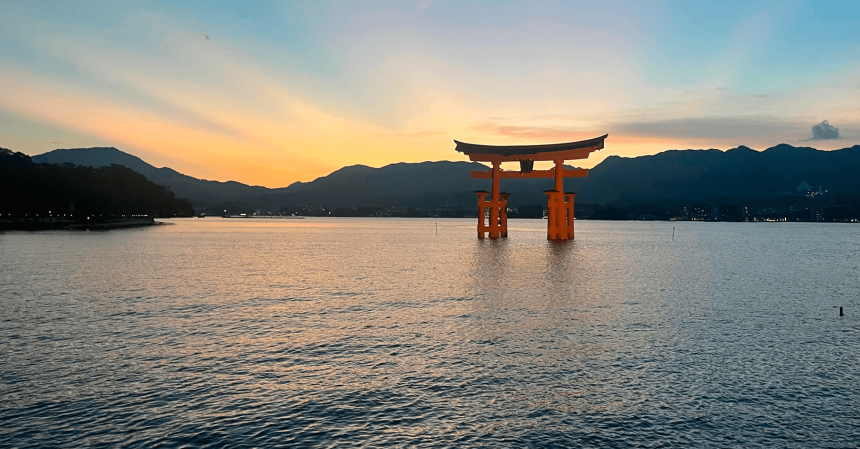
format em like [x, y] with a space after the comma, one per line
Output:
[50, 225]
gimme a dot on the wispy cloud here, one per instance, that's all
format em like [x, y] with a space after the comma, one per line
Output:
[711, 127]
[531, 133]
[410, 135]
[423, 5]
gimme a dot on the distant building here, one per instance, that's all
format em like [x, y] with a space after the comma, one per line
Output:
[697, 213]
[730, 212]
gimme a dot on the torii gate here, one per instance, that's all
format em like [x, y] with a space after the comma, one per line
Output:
[559, 203]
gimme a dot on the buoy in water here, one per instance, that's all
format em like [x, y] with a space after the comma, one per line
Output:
[840, 312]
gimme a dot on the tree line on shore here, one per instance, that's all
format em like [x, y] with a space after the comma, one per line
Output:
[783, 208]
[72, 193]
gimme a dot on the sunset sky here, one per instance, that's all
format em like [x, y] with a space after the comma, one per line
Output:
[269, 93]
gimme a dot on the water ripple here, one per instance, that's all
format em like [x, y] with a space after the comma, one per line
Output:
[362, 333]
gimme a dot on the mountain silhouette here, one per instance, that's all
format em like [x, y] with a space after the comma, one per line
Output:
[440, 183]
[197, 191]
[671, 177]
[737, 174]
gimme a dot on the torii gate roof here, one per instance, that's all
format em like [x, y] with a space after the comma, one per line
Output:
[546, 152]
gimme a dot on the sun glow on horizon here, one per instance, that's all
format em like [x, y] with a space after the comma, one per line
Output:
[276, 94]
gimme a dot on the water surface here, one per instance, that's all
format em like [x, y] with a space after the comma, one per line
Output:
[383, 332]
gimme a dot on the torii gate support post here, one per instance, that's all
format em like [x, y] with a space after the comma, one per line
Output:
[569, 196]
[501, 223]
[551, 215]
[503, 214]
[494, 202]
[482, 212]
[560, 209]
[559, 215]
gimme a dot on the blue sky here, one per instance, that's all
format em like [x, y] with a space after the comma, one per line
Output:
[273, 92]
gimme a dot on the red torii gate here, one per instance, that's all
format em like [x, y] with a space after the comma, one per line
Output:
[559, 202]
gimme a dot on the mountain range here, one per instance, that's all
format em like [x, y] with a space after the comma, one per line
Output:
[199, 191]
[739, 175]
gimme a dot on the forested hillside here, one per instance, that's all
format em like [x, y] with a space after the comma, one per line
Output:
[48, 190]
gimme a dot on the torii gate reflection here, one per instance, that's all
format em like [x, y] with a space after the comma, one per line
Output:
[559, 202]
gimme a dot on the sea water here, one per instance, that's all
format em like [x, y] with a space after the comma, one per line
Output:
[328, 332]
